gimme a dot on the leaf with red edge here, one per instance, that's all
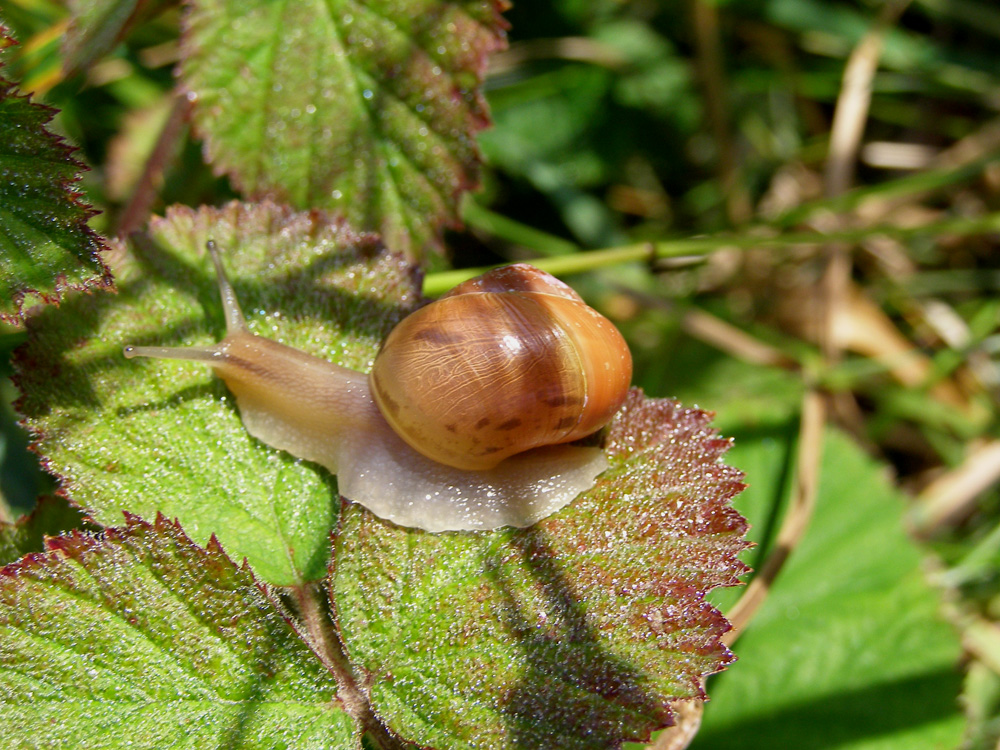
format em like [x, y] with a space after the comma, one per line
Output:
[368, 109]
[51, 517]
[147, 435]
[46, 247]
[577, 632]
[139, 638]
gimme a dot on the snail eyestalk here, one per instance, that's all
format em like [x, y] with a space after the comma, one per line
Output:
[208, 354]
[235, 323]
[230, 305]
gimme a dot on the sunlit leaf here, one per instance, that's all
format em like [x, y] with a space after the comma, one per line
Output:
[139, 638]
[577, 632]
[851, 627]
[590, 622]
[145, 435]
[366, 109]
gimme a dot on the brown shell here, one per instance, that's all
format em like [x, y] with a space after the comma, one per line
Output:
[482, 374]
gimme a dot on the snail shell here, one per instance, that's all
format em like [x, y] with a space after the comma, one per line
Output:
[467, 417]
[508, 362]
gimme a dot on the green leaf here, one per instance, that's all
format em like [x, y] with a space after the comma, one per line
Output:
[99, 25]
[574, 633]
[148, 435]
[366, 109]
[46, 247]
[851, 648]
[51, 517]
[578, 632]
[141, 638]
[547, 134]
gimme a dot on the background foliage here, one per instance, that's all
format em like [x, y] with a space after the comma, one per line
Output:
[783, 242]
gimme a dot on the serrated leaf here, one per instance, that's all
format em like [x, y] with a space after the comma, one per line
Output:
[144, 435]
[140, 638]
[575, 633]
[46, 247]
[98, 25]
[850, 648]
[366, 109]
[51, 517]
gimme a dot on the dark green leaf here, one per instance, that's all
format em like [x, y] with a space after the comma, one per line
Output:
[46, 247]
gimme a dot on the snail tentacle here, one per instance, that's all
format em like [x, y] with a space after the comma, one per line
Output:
[207, 354]
[235, 323]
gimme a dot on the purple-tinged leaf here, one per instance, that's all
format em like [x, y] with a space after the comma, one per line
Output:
[577, 632]
[51, 517]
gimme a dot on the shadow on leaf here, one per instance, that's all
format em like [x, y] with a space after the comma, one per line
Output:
[575, 693]
[841, 719]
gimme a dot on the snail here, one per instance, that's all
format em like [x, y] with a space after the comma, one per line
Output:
[468, 417]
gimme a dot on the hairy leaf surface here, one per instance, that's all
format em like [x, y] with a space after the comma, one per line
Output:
[149, 435]
[368, 109]
[577, 632]
[140, 638]
[46, 247]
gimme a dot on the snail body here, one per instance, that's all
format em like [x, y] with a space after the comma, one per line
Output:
[467, 418]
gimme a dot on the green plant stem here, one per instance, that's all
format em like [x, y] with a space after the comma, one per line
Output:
[589, 260]
[908, 187]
